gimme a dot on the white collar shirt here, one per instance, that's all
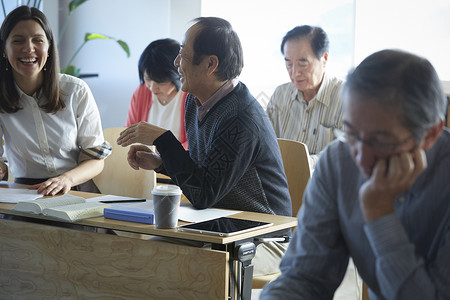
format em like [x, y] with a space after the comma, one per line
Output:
[167, 116]
[43, 145]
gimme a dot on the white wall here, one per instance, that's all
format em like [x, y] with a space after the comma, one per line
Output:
[137, 22]
[418, 26]
[181, 13]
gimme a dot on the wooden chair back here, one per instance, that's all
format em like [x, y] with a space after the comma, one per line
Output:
[117, 177]
[297, 168]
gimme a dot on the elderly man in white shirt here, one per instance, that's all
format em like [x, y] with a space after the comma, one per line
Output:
[308, 108]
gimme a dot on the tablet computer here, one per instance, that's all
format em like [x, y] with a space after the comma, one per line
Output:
[224, 226]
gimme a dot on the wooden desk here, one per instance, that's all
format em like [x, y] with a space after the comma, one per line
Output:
[50, 261]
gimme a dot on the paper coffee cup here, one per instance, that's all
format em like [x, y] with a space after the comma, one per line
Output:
[166, 204]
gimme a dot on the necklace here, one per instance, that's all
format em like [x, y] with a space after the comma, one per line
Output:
[168, 98]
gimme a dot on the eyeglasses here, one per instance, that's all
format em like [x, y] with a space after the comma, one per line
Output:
[379, 147]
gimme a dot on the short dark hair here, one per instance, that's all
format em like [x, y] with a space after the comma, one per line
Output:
[217, 37]
[404, 83]
[9, 97]
[157, 60]
[316, 36]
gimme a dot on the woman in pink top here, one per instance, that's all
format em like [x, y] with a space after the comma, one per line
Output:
[158, 99]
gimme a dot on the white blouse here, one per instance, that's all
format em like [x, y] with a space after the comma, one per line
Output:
[167, 116]
[43, 145]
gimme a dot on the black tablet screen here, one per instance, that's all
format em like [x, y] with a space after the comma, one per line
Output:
[225, 225]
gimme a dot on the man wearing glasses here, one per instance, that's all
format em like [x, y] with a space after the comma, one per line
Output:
[380, 193]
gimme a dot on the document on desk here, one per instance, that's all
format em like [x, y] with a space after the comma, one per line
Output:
[189, 214]
[10, 195]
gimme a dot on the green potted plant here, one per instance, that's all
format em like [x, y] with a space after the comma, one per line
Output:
[71, 69]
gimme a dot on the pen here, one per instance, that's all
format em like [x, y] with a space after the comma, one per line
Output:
[123, 200]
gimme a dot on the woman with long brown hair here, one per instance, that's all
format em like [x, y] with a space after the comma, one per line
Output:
[49, 121]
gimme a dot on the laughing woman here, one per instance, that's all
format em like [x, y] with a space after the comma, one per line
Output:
[50, 122]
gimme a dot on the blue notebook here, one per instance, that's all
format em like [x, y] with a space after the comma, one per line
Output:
[132, 214]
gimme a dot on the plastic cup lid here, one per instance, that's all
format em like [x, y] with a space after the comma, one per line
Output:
[168, 189]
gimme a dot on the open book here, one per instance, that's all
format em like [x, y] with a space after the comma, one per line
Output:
[67, 207]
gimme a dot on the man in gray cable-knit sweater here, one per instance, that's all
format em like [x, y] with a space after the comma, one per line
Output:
[233, 160]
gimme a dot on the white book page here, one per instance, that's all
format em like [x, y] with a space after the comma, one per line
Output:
[37, 206]
[74, 212]
[10, 195]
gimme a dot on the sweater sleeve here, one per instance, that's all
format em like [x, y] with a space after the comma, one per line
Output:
[227, 160]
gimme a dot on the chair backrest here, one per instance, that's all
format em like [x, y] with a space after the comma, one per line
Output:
[117, 177]
[298, 171]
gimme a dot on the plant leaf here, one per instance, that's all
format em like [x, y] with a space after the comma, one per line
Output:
[74, 4]
[124, 47]
[92, 36]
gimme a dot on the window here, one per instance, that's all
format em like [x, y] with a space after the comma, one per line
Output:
[261, 25]
[356, 28]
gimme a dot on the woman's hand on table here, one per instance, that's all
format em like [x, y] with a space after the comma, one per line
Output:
[61, 184]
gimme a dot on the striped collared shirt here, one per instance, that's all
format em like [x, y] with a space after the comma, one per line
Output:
[310, 122]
